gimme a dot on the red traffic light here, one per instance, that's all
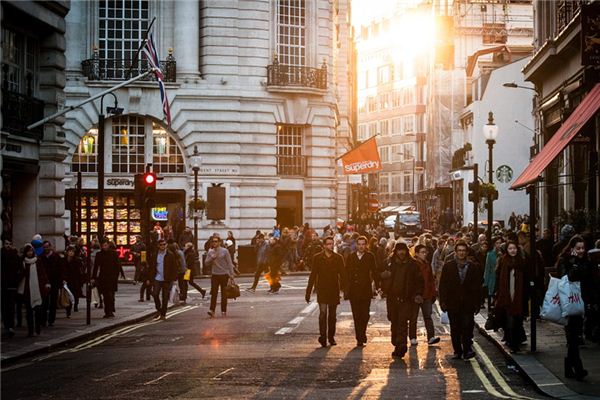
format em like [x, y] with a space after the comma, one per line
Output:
[149, 179]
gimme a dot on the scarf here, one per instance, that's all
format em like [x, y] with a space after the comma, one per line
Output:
[35, 296]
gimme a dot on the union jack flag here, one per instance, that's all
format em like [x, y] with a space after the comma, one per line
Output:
[152, 55]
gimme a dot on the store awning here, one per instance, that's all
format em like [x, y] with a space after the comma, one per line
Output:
[561, 139]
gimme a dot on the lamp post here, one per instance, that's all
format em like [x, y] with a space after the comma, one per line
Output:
[114, 111]
[490, 132]
[195, 162]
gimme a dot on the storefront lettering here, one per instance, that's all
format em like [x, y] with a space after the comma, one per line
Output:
[220, 171]
[119, 182]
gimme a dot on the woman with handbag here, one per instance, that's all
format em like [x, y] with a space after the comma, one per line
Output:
[33, 287]
[574, 263]
[512, 279]
[193, 265]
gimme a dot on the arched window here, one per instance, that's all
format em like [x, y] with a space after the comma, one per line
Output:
[134, 141]
[85, 158]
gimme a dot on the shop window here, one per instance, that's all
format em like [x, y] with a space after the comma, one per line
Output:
[128, 140]
[85, 158]
[166, 156]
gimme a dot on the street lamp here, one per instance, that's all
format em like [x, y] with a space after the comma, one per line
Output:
[490, 132]
[195, 162]
[513, 85]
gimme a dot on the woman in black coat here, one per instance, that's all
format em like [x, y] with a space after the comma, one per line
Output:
[574, 263]
[73, 270]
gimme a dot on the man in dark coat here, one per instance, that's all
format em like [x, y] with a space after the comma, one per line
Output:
[52, 263]
[327, 276]
[163, 269]
[106, 276]
[460, 294]
[361, 269]
[405, 288]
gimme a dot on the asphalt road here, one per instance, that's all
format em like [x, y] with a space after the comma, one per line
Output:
[266, 348]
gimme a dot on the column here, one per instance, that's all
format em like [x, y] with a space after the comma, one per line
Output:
[187, 38]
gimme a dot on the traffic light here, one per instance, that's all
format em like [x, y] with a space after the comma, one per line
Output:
[145, 186]
[474, 191]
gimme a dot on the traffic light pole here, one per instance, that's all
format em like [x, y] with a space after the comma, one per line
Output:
[476, 204]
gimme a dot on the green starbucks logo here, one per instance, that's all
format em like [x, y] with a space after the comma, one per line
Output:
[504, 174]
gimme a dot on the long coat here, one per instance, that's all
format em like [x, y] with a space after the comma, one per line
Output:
[171, 266]
[106, 270]
[454, 296]
[328, 277]
[42, 279]
[73, 274]
[360, 275]
[517, 306]
[413, 283]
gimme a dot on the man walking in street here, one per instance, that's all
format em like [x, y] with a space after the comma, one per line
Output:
[163, 267]
[460, 295]
[405, 289]
[262, 248]
[429, 295]
[222, 269]
[52, 263]
[106, 276]
[361, 269]
[327, 276]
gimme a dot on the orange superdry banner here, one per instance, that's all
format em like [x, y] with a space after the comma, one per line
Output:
[363, 159]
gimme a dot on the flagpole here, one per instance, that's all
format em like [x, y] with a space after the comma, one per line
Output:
[137, 55]
[73, 107]
[366, 141]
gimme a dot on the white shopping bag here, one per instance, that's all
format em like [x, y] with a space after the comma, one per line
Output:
[444, 318]
[95, 296]
[174, 295]
[571, 302]
[71, 297]
[551, 310]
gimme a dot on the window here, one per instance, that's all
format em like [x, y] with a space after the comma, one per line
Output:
[372, 104]
[362, 132]
[397, 152]
[384, 127]
[384, 183]
[290, 159]
[384, 153]
[85, 157]
[408, 95]
[494, 33]
[396, 126]
[291, 32]
[408, 151]
[396, 182]
[372, 129]
[166, 156]
[383, 74]
[407, 183]
[121, 28]
[19, 62]
[408, 124]
[128, 140]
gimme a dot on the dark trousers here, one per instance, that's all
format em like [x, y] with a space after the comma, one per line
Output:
[260, 268]
[9, 298]
[217, 281]
[75, 293]
[49, 306]
[360, 314]
[188, 284]
[461, 331]
[109, 301]
[161, 300]
[183, 286]
[574, 329]
[426, 308]
[35, 318]
[399, 314]
[145, 287]
[514, 331]
[327, 321]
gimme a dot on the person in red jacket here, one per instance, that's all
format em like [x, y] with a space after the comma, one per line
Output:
[429, 295]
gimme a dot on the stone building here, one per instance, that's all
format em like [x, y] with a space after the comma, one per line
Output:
[258, 88]
[33, 79]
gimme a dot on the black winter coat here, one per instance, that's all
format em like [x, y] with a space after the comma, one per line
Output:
[455, 296]
[413, 284]
[171, 266]
[106, 270]
[328, 277]
[360, 275]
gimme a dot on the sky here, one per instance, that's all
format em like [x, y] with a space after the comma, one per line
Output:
[363, 11]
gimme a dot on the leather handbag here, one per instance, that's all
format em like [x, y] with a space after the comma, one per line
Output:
[232, 291]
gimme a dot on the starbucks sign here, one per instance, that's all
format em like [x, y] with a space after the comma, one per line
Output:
[504, 174]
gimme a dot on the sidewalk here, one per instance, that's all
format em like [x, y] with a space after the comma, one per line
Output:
[545, 368]
[128, 311]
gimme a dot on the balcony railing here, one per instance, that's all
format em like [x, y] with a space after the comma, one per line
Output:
[565, 12]
[291, 165]
[97, 69]
[19, 111]
[296, 76]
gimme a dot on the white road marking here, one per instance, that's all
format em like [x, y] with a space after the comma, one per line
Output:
[110, 376]
[218, 376]
[296, 320]
[152, 382]
[284, 330]
[309, 308]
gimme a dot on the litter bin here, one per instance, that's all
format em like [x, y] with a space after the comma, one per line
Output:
[246, 258]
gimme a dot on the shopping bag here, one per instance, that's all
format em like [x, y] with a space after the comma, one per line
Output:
[551, 310]
[571, 302]
[71, 297]
[232, 291]
[95, 296]
[63, 298]
[444, 318]
[174, 295]
[187, 275]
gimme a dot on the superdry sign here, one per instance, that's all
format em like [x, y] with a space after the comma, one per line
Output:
[362, 160]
